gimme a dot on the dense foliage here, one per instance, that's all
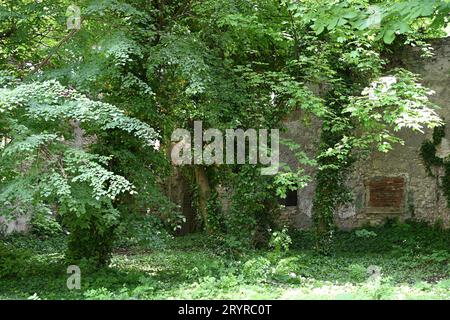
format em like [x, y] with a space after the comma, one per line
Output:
[86, 114]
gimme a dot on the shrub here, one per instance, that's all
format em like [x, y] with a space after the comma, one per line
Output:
[357, 272]
[257, 268]
[145, 231]
[280, 241]
[91, 235]
[253, 207]
[43, 224]
[287, 270]
[13, 261]
[363, 233]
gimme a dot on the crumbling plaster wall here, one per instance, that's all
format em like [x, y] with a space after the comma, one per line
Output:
[398, 176]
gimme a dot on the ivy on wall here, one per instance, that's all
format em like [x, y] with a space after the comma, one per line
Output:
[428, 153]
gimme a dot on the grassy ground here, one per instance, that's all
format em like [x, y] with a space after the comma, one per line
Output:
[413, 262]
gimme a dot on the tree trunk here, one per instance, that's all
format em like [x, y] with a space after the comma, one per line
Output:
[204, 193]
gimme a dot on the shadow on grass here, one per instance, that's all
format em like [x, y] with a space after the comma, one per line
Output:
[191, 267]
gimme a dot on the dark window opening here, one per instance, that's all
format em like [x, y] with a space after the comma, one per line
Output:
[291, 199]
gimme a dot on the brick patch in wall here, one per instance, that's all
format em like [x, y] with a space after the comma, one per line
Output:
[386, 192]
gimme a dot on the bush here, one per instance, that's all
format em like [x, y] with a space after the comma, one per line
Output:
[257, 268]
[437, 256]
[43, 224]
[88, 243]
[253, 210]
[144, 231]
[91, 235]
[280, 241]
[363, 233]
[357, 272]
[13, 261]
[287, 270]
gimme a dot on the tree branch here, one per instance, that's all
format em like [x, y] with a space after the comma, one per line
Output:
[55, 49]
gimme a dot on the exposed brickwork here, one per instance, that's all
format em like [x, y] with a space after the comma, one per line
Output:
[386, 192]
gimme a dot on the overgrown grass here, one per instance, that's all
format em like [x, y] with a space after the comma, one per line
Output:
[413, 261]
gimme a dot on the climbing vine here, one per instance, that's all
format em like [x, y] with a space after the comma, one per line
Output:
[330, 192]
[431, 160]
[384, 106]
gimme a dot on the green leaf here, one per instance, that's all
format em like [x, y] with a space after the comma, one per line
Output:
[403, 27]
[332, 23]
[318, 28]
[389, 36]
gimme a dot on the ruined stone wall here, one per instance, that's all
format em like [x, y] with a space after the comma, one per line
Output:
[19, 224]
[395, 184]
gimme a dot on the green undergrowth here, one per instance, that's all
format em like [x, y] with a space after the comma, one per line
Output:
[397, 261]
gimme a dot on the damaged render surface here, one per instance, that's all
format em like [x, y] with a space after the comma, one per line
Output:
[395, 184]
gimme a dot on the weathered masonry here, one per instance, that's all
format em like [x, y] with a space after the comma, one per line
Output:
[395, 184]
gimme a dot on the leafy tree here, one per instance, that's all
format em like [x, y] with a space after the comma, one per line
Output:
[45, 165]
[136, 70]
